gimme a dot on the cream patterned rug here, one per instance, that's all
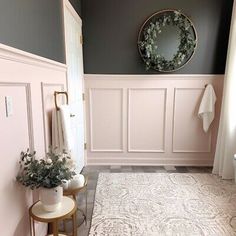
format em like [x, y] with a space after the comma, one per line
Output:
[156, 204]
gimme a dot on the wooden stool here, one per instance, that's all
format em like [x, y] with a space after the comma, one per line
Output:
[68, 209]
[74, 193]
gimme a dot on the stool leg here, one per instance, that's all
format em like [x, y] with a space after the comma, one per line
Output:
[30, 225]
[86, 205]
[74, 224]
[55, 228]
[33, 228]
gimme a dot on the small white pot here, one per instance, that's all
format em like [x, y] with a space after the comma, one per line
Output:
[77, 181]
[51, 198]
[65, 184]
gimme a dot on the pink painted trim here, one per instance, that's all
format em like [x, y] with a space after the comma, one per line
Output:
[22, 75]
[92, 149]
[174, 150]
[130, 150]
[194, 152]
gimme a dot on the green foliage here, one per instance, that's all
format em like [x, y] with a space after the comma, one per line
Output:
[149, 47]
[48, 173]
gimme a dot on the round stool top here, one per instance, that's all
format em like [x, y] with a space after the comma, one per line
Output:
[67, 208]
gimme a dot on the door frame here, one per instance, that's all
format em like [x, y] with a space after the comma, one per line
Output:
[67, 6]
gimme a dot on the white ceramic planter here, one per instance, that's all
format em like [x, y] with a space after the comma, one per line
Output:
[51, 198]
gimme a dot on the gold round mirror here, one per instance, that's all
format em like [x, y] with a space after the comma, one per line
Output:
[167, 41]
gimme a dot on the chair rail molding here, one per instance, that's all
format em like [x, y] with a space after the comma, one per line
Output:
[17, 55]
[153, 76]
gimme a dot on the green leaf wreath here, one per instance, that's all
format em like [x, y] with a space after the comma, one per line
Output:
[148, 45]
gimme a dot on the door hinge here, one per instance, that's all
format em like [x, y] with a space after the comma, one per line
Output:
[81, 39]
[85, 146]
[83, 96]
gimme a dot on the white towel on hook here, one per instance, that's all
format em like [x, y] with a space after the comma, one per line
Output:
[207, 107]
[57, 136]
[67, 133]
[62, 135]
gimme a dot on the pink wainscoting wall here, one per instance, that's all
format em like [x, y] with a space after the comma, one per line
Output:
[149, 119]
[30, 82]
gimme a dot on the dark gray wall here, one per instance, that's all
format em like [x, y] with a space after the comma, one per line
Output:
[34, 26]
[110, 29]
[77, 6]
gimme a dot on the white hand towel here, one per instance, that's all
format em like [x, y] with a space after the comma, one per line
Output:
[66, 127]
[57, 137]
[207, 107]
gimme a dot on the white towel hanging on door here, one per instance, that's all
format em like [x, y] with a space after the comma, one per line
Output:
[62, 135]
[207, 107]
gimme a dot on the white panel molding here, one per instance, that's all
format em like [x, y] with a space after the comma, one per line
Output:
[164, 122]
[17, 55]
[30, 115]
[173, 125]
[170, 155]
[27, 88]
[23, 73]
[92, 148]
[43, 86]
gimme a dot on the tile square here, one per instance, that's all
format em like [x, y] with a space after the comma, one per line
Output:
[170, 168]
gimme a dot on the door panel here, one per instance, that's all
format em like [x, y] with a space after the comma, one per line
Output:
[74, 61]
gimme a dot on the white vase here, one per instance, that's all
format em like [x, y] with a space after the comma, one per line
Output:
[77, 181]
[51, 198]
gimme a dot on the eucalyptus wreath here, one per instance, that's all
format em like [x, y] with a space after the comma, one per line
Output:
[148, 44]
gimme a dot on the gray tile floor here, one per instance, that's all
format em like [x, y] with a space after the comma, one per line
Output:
[93, 172]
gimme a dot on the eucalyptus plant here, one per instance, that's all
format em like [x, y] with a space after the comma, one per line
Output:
[48, 172]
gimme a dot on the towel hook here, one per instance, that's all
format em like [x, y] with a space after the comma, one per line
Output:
[55, 98]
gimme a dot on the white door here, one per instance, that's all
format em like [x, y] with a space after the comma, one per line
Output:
[74, 61]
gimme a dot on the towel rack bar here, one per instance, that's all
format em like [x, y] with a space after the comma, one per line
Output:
[55, 98]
